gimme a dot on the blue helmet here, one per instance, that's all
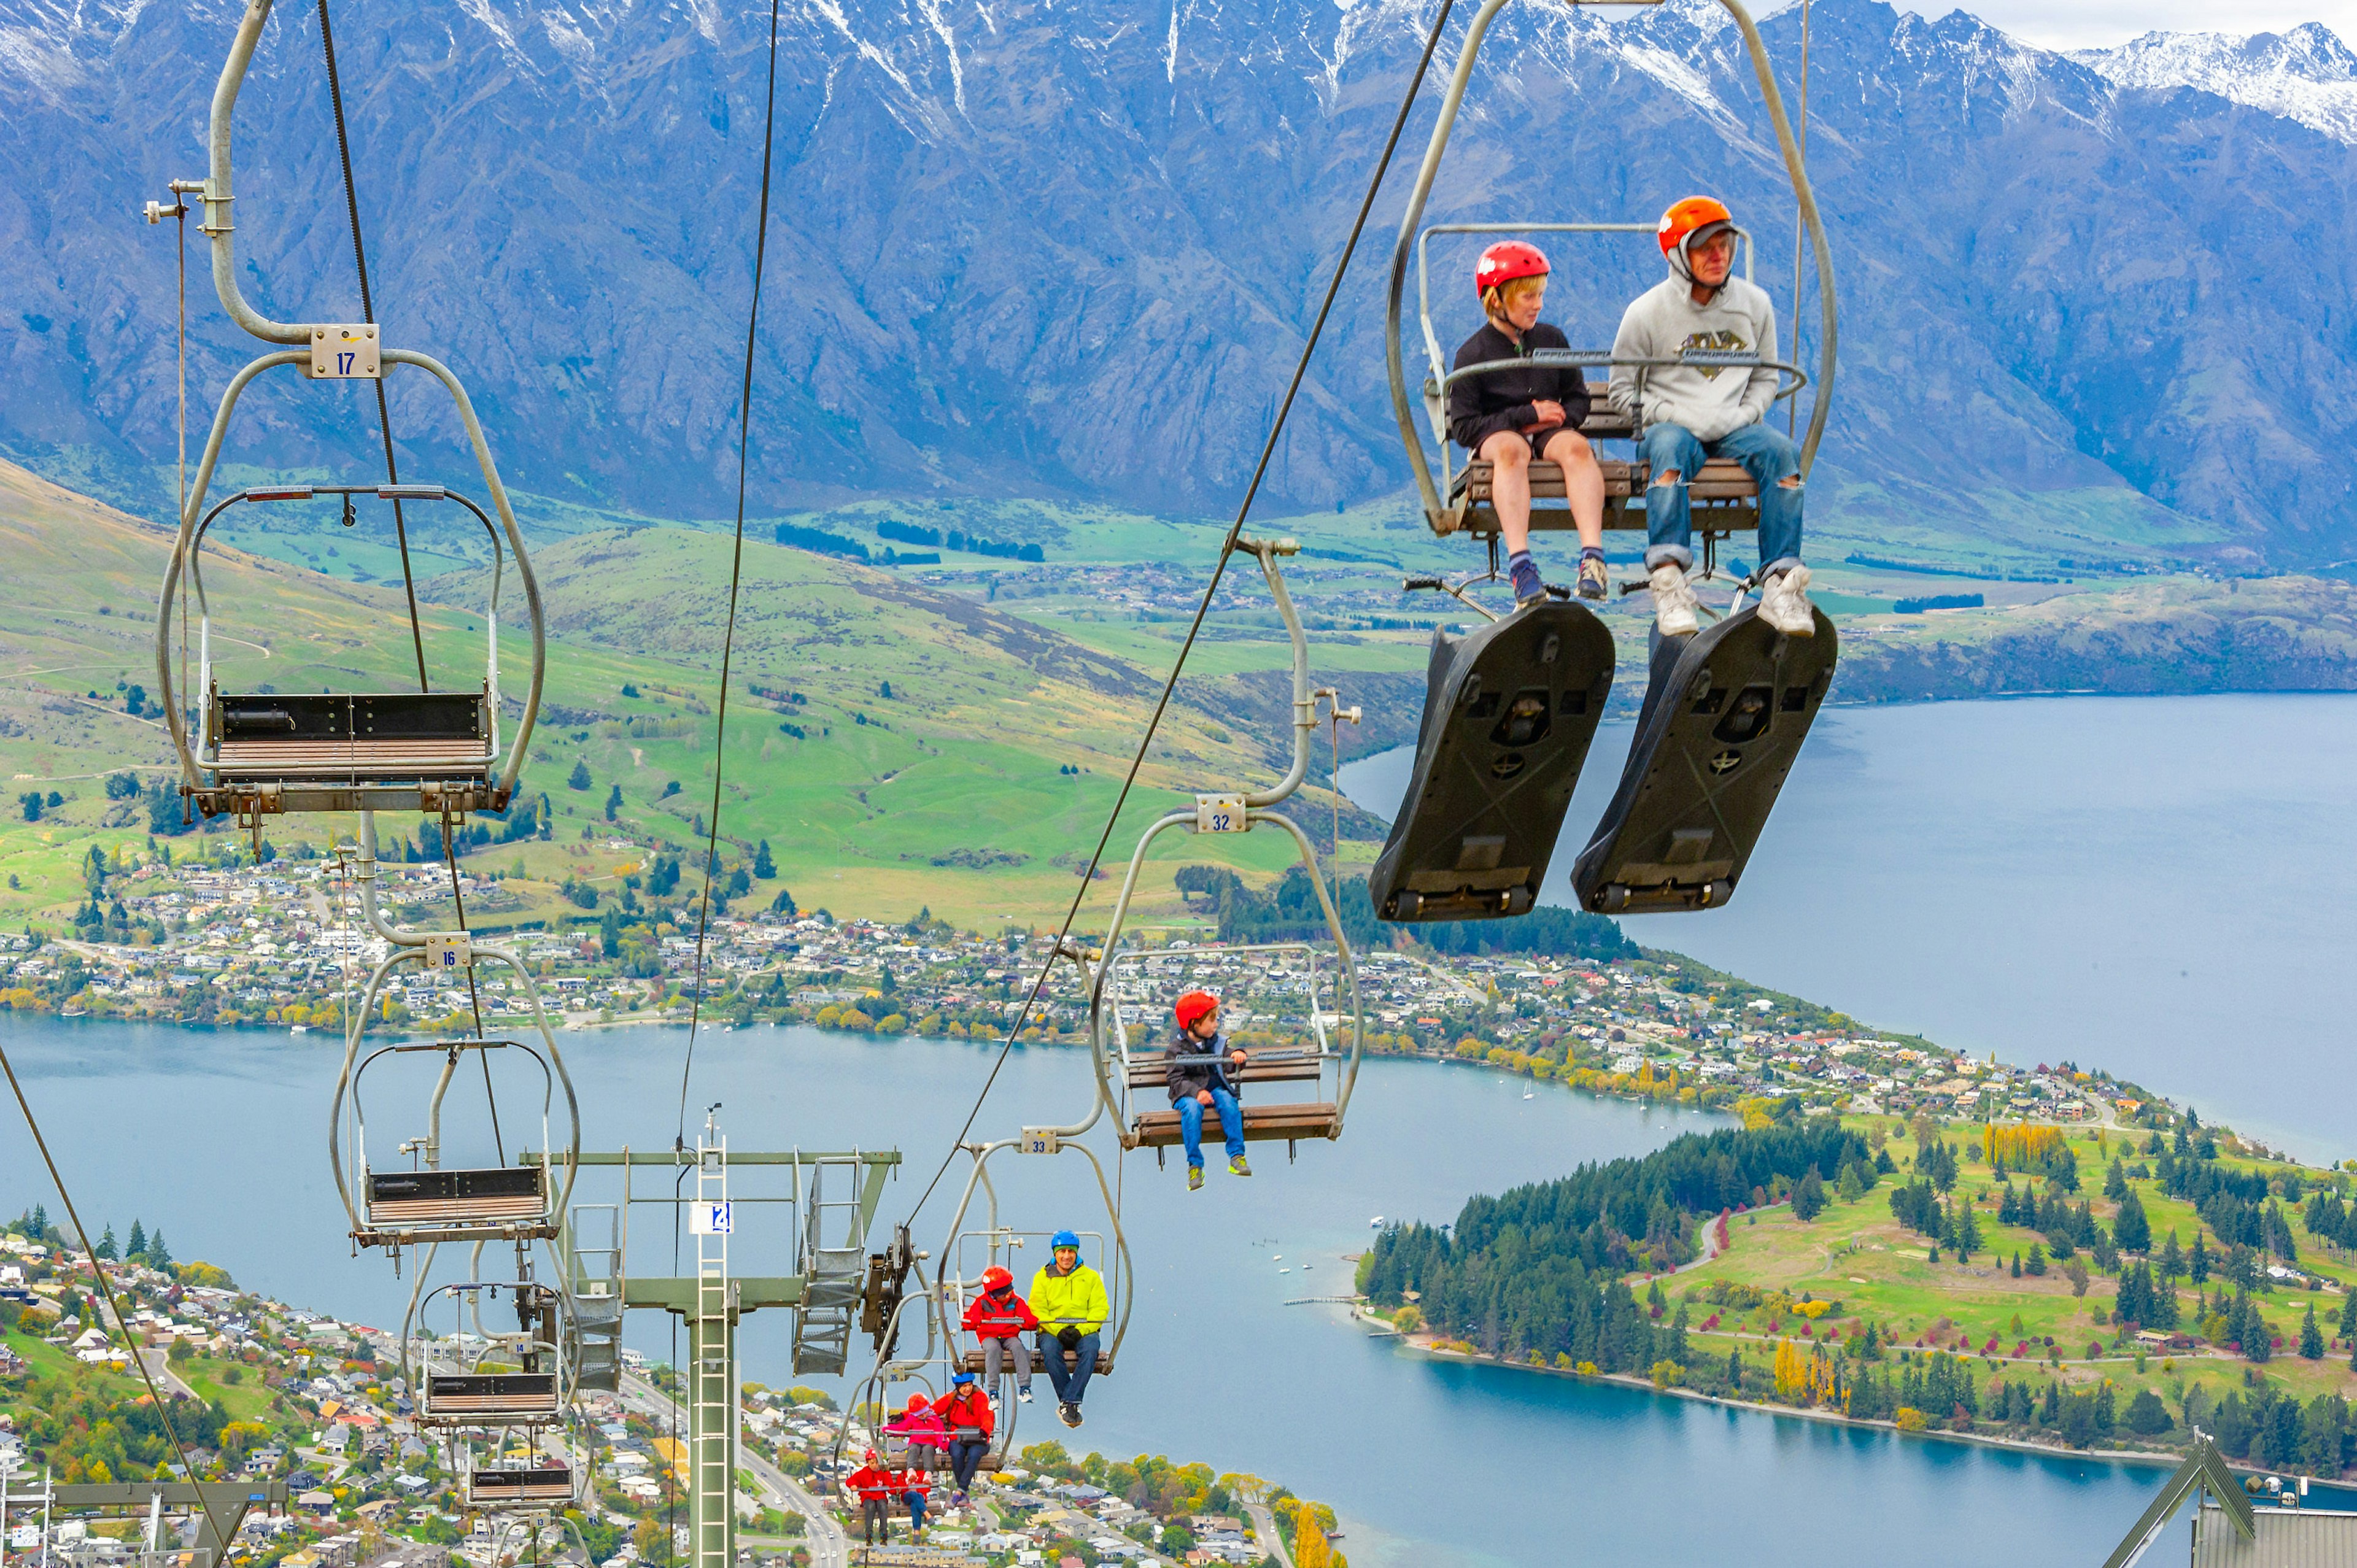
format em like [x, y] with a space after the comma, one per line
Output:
[1065, 1239]
[956, 1378]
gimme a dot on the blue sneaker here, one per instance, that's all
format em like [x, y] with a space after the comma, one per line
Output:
[1529, 589]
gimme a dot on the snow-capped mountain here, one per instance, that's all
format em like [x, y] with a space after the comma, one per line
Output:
[1069, 247]
[2307, 74]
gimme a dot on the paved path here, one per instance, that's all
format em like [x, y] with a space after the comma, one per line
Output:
[159, 1367]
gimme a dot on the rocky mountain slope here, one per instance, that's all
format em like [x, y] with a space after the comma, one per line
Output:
[2094, 308]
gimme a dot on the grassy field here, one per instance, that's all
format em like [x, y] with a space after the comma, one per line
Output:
[1856, 1254]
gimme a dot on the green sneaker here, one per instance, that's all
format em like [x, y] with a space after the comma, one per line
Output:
[1237, 1166]
[1194, 1177]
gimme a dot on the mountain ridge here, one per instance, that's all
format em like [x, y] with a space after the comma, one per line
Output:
[1035, 250]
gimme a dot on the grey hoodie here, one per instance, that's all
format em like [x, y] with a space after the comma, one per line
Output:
[1709, 399]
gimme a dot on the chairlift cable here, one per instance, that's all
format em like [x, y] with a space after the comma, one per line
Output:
[736, 579]
[368, 314]
[1799, 225]
[98, 1271]
[1202, 608]
[474, 997]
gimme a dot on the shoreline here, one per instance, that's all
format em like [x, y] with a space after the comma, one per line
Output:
[2148, 1457]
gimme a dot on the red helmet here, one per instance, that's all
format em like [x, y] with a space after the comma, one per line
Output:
[871, 1457]
[1506, 260]
[1192, 1007]
[1687, 220]
[994, 1278]
[919, 1401]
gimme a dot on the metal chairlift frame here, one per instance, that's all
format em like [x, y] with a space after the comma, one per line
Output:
[355, 778]
[471, 1474]
[484, 1221]
[1232, 812]
[1438, 514]
[457, 949]
[459, 1362]
[253, 800]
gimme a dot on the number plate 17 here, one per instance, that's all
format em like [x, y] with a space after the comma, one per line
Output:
[345, 353]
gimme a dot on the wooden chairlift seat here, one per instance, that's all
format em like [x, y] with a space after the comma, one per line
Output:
[1722, 496]
[510, 1487]
[379, 738]
[490, 1397]
[973, 1361]
[426, 1204]
[1291, 1120]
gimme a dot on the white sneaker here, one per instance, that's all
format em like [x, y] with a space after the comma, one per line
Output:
[1784, 603]
[1673, 602]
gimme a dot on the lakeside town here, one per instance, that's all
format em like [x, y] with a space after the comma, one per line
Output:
[225, 941]
[262, 1391]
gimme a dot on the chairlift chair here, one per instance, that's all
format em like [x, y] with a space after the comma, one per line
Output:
[479, 1377]
[1141, 1037]
[496, 1480]
[958, 1291]
[1724, 498]
[433, 751]
[429, 1202]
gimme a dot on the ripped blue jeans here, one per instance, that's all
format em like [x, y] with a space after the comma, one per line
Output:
[1768, 455]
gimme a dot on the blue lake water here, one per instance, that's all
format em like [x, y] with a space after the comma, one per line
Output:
[220, 1139]
[2158, 885]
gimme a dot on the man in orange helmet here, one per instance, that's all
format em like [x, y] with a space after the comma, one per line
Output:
[1687, 413]
[1529, 412]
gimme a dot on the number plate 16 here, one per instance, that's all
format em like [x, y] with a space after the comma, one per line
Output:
[344, 353]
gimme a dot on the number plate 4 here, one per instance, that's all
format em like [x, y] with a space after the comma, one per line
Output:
[345, 353]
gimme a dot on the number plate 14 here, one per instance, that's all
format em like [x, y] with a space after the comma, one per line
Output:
[345, 353]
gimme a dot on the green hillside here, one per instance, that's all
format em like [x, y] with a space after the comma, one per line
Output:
[949, 754]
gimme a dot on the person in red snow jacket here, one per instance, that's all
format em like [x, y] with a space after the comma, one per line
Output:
[966, 1410]
[998, 1319]
[922, 1429]
[916, 1486]
[872, 1484]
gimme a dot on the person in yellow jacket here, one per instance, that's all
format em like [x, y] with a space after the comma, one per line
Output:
[1069, 1298]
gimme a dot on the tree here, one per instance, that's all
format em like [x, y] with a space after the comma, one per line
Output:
[2172, 1258]
[1850, 1188]
[2311, 1337]
[2148, 1417]
[137, 1245]
[2131, 1231]
[783, 904]
[2036, 1266]
[1809, 1196]
[2197, 1262]
[2075, 1271]
[105, 1248]
[613, 802]
[763, 866]
[579, 777]
[159, 1256]
[2116, 1180]
[1968, 1231]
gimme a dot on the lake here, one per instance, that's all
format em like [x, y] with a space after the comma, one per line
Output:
[219, 1139]
[2155, 886]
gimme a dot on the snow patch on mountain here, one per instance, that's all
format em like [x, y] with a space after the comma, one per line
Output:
[2306, 75]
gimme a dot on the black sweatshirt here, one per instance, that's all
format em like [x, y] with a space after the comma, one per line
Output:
[1480, 406]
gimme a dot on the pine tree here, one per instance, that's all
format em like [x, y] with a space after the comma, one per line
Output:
[2116, 1181]
[613, 802]
[579, 777]
[763, 866]
[159, 1256]
[2172, 1258]
[2197, 1262]
[2311, 1337]
[1968, 1231]
[137, 1245]
[2017, 1263]
[2131, 1231]
[2349, 1317]
[105, 1248]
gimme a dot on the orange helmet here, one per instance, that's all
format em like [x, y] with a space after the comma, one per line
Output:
[994, 1278]
[1506, 260]
[1690, 219]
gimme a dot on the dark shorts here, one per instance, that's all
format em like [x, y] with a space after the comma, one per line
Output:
[1536, 440]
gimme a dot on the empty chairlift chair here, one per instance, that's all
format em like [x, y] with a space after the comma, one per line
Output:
[260, 752]
[427, 1201]
[480, 1376]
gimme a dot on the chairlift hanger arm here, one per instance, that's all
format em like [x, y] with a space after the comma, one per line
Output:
[1601, 358]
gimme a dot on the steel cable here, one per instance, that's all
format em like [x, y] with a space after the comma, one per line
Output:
[1202, 608]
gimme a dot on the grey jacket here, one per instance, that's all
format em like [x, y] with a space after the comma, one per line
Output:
[1197, 1065]
[1711, 400]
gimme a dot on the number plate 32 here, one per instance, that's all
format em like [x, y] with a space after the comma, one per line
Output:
[1221, 814]
[345, 353]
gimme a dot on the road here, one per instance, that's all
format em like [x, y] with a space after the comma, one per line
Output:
[829, 1546]
[159, 1367]
[1265, 1531]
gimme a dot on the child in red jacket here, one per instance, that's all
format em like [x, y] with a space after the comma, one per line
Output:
[872, 1484]
[916, 1487]
[998, 1319]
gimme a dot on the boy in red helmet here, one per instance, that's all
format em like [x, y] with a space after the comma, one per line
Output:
[1510, 418]
[1202, 1078]
[872, 1485]
[998, 1319]
[1686, 414]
